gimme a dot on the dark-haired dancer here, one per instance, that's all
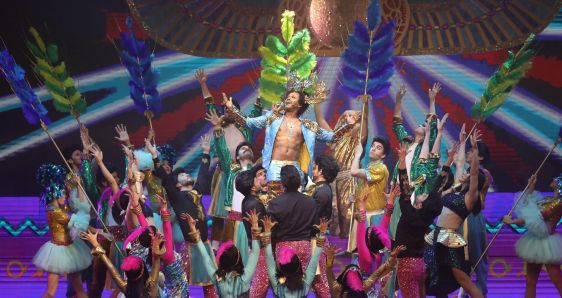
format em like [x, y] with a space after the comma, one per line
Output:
[234, 134]
[288, 275]
[289, 139]
[232, 278]
[474, 227]
[374, 180]
[296, 214]
[445, 258]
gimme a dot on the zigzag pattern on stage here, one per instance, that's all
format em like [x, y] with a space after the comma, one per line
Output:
[519, 134]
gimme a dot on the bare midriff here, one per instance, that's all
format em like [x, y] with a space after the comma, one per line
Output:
[449, 219]
[288, 140]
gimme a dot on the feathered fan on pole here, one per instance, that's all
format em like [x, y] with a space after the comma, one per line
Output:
[50, 67]
[280, 59]
[32, 108]
[503, 80]
[367, 59]
[137, 58]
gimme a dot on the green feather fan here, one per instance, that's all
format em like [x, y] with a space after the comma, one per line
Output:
[55, 76]
[503, 80]
[280, 58]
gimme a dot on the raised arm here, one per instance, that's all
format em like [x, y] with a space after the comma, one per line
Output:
[460, 157]
[99, 252]
[424, 154]
[157, 253]
[315, 258]
[240, 119]
[437, 143]
[398, 106]
[202, 183]
[250, 267]
[221, 148]
[268, 224]
[472, 194]
[98, 155]
[320, 117]
[356, 170]
[201, 77]
[208, 262]
[432, 97]
[383, 270]
[335, 287]
[168, 256]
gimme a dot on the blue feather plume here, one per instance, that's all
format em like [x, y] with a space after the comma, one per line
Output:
[143, 83]
[380, 65]
[373, 14]
[33, 109]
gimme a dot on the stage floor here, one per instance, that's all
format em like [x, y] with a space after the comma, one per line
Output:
[24, 230]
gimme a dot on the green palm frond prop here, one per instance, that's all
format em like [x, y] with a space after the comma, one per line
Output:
[56, 79]
[504, 79]
[280, 58]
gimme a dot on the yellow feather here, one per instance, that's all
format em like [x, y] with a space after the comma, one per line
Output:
[38, 39]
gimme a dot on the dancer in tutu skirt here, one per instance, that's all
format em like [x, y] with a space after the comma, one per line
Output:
[62, 254]
[540, 245]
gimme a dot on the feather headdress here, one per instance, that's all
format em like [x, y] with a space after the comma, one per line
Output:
[33, 109]
[503, 80]
[50, 67]
[280, 59]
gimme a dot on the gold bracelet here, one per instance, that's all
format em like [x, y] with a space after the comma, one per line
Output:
[256, 233]
[97, 251]
[165, 215]
[136, 209]
[265, 238]
[320, 240]
[195, 236]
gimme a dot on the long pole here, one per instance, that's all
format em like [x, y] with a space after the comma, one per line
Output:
[523, 194]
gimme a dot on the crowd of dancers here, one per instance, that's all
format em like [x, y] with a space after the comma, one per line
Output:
[149, 235]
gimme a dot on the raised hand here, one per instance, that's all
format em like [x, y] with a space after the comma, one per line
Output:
[227, 101]
[163, 203]
[128, 152]
[190, 221]
[331, 252]
[451, 153]
[90, 237]
[475, 138]
[253, 218]
[401, 151]
[401, 92]
[200, 76]
[206, 144]
[392, 194]
[96, 153]
[323, 226]
[441, 123]
[507, 219]
[157, 244]
[397, 250]
[150, 148]
[277, 108]
[122, 134]
[214, 118]
[268, 223]
[434, 90]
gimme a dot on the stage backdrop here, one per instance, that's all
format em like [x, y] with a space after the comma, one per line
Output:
[518, 135]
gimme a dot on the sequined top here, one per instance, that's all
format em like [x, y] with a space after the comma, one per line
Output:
[374, 188]
[455, 202]
[58, 219]
[344, 150]
[551, 209]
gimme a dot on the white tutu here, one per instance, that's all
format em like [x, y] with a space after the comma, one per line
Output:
[79, 222]
[63, 259]
[537, 245]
